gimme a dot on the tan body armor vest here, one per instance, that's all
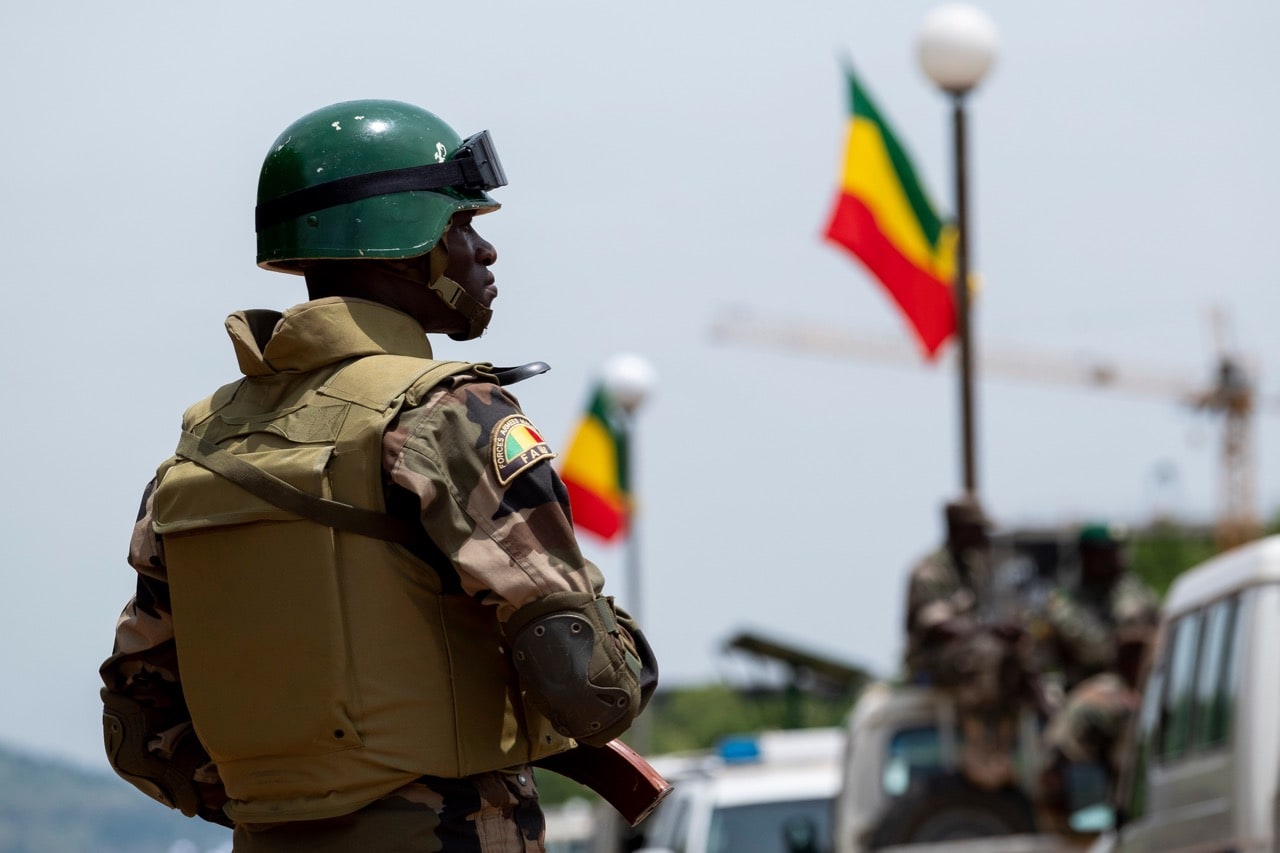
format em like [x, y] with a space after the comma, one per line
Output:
[322, 668]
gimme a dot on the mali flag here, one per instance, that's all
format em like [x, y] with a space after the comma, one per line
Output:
[884, 218]
[594, 470]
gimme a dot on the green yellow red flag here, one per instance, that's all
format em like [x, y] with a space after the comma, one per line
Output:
[594, 470]
[883, 216]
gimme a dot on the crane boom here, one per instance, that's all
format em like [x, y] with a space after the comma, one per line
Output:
[1230, 395]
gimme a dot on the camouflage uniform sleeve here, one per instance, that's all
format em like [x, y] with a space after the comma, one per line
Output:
[493, 504]
[1092, 721]
[501, 516]
[936, 604]
[146, 726]
[1083, 640]
[1134, 605]
[934, 595]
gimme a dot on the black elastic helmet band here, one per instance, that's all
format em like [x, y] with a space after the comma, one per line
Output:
[475, 166]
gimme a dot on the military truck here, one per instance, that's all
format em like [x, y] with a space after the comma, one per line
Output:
[903, 786]
[903, 790]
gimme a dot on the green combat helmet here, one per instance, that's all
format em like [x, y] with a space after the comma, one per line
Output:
[368, 179]
[1102, 535]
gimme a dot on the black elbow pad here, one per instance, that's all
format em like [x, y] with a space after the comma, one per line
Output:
[575, 666]
[126, 730]
[127, 726]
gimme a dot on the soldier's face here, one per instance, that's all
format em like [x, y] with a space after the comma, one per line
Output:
[1100, 565]
[470, 257]
[965, 535]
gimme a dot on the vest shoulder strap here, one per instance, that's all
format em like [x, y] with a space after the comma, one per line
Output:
[288, 497]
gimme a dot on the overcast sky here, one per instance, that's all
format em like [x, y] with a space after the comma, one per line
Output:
[667, 160]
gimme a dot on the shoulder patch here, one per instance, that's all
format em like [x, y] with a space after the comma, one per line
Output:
[516, 446]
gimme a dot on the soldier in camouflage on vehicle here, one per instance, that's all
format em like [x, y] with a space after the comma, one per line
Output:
[942, 597]
[1083, 618]
[951, 646]
[361, 612]
[1101, 630]
[1088, 731]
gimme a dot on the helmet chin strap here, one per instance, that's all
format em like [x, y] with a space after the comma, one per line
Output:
[452, 294]
[476, 315]
[445, 289]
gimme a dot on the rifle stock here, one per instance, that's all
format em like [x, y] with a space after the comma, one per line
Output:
[617, 773]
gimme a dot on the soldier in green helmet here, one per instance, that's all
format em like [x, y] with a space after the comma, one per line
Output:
[361, 612]
[1083, 617]
[1099, 629]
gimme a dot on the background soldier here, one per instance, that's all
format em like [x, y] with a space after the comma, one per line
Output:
[951, 647]
[1082, 618]
[1084, 740]
[1100, 629]
[360, 556]
[942, 597]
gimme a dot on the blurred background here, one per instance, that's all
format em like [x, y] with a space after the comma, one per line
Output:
[671, 165]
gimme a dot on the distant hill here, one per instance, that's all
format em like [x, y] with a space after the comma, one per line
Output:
[48, 806]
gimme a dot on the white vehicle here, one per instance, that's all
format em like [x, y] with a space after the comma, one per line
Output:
[903, 789]
[1205, 752]
[766, 793]
[611, 834]
[569, 827]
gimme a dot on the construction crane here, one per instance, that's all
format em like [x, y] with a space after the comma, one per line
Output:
[1230, 395]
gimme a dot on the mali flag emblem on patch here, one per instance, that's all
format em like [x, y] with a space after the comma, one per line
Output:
[516, 446]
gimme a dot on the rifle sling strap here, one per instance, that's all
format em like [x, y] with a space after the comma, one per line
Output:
[289, 498]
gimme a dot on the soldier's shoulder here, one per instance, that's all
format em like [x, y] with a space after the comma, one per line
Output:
[1060, 593]
[1133, 588]
[1060, 600]
[934, 563]
[467, 395]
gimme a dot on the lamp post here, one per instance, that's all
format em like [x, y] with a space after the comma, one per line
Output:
[956, 46]
[629, 379]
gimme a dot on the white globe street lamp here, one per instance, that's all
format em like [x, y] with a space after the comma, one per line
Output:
[629, 379]
[956, 47]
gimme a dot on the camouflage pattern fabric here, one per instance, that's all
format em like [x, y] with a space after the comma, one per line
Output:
[937, 595]
[510, 544]
[1091, 723]
[949, 647]
[486, 813]
[1083, 623]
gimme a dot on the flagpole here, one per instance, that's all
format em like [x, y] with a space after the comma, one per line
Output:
[956, 47]
[631, 552]
[963, 333]
[629, 379]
